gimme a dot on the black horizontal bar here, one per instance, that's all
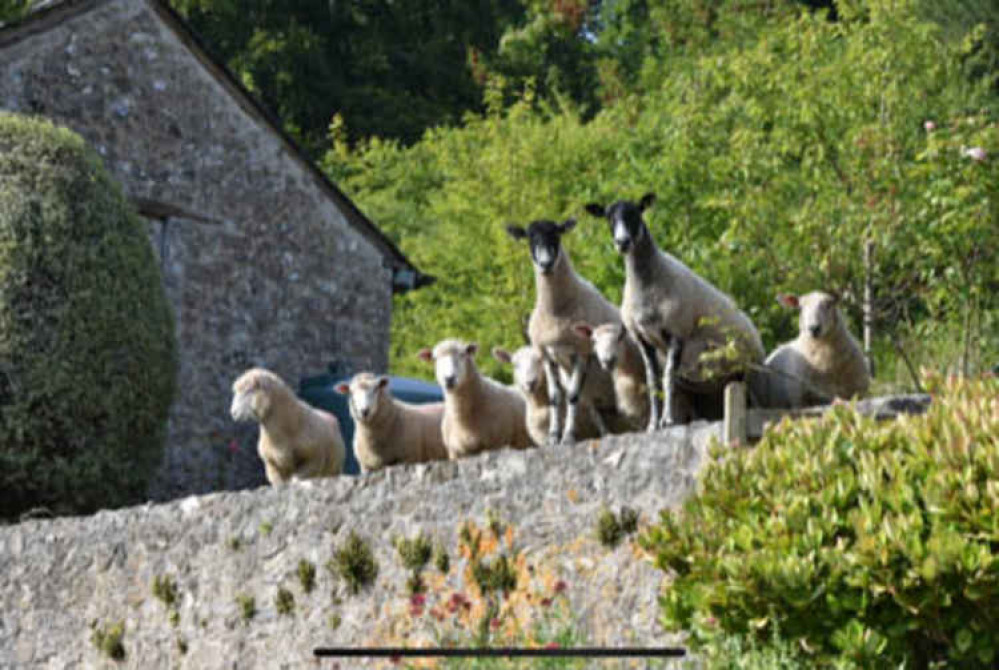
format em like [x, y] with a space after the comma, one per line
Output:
[492, 652]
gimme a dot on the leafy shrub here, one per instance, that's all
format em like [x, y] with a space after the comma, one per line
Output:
[500, 574]
[612, 529]
[87, 347]
[247, 606]
[872, 543]
[284, 601]
[165, 589]
[354, 563]
[441, 559]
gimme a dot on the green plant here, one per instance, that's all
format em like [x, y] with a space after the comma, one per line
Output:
[174, 618]
[234, 543]
[87, 344]
[628, 520]
[181, 645]
[355, 563]
[415, 583]
[864, 543]
[247, 606]
[165, 590]
[441, 559]
[284, 601]
[108, 640]
[612, 529]
[499, 574]
[266, 527]
[335, 620]
[307, 575]
[414, 552]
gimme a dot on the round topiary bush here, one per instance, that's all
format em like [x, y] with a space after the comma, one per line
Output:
[87, 344]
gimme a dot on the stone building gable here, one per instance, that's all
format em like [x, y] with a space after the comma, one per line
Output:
[264, 261]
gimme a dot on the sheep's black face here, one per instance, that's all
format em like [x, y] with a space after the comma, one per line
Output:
[625, 220]
[544, 238]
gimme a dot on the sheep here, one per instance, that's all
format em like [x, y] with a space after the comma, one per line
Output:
[617, 354]
[562, 299]
[479, 413]
[296, 441]
[529, 379]
[823, 363]
[388, 431]
[667, 307]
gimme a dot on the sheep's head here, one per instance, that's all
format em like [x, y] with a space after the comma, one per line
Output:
[365, 394]
[625, 220]
[545, 240]
[818, 314]
[607, 340]
[528, 372]
[454, 362]
[251, 397]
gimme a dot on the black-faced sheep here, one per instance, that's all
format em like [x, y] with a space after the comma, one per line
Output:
[296, 441]
[562, 299]
[479, 412]
[823, 363]
[388, 431]
[667, 307]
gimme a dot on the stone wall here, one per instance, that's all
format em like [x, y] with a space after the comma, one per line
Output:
[58, 576]
[266, 271]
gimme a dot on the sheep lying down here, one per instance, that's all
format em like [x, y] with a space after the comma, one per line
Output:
[296, 441]
[823, 363]
[389, 431]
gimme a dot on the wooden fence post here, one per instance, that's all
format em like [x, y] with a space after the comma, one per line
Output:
[735, 414]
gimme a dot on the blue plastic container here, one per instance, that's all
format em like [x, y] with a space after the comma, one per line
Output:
[320, 391]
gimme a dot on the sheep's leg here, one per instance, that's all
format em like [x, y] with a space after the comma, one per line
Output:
[575, 390]
[554, 401]
[652, 379]
[670, 371]
[595, 418]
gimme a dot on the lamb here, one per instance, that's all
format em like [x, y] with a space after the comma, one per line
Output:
[823, 363]
[388, 431]
[667, 307]
[479, 413]
[617, 354]
[529, 378]
[296, 441]
[562, 299]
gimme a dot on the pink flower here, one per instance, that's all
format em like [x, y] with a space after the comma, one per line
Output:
[546, 602]
[711, 621]
[494, 624]
[417, 600]
[560, 586]
[552, 645]
[930, 126]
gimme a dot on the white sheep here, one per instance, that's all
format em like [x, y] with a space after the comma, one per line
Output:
[563, 298]
[529, 379]
[667, 307]
[479, 413]
[389, 431]
[823, 363]
[296, 441]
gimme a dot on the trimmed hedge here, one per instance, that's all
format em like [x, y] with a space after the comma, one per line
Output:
[87, 344]
[864, 544]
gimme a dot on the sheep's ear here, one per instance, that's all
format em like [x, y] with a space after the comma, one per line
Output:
[343, 388]
[383, 382]
[472, 349]
[502, 355]
[788, 300]
[568, 225]
[426, 355]
[516, 232]
[647, 201]
[596, 209]
[583, 329]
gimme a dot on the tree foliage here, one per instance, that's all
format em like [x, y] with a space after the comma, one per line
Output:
[776, 160]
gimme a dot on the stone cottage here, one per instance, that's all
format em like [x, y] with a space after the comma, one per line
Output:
[265, 261]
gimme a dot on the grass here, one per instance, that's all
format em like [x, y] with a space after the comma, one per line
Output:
[354, 563]
[307, 575]
[247, 606]
[284, 601]
[109, 640]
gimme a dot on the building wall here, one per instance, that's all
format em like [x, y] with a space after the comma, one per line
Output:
[273, 276]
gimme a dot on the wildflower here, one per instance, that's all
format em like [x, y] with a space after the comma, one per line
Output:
[976, 154]
[560, 586]
[415, 611]
[417, 600]
[546, 602]
[494, 624]
[552, 645]
[930, 126]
